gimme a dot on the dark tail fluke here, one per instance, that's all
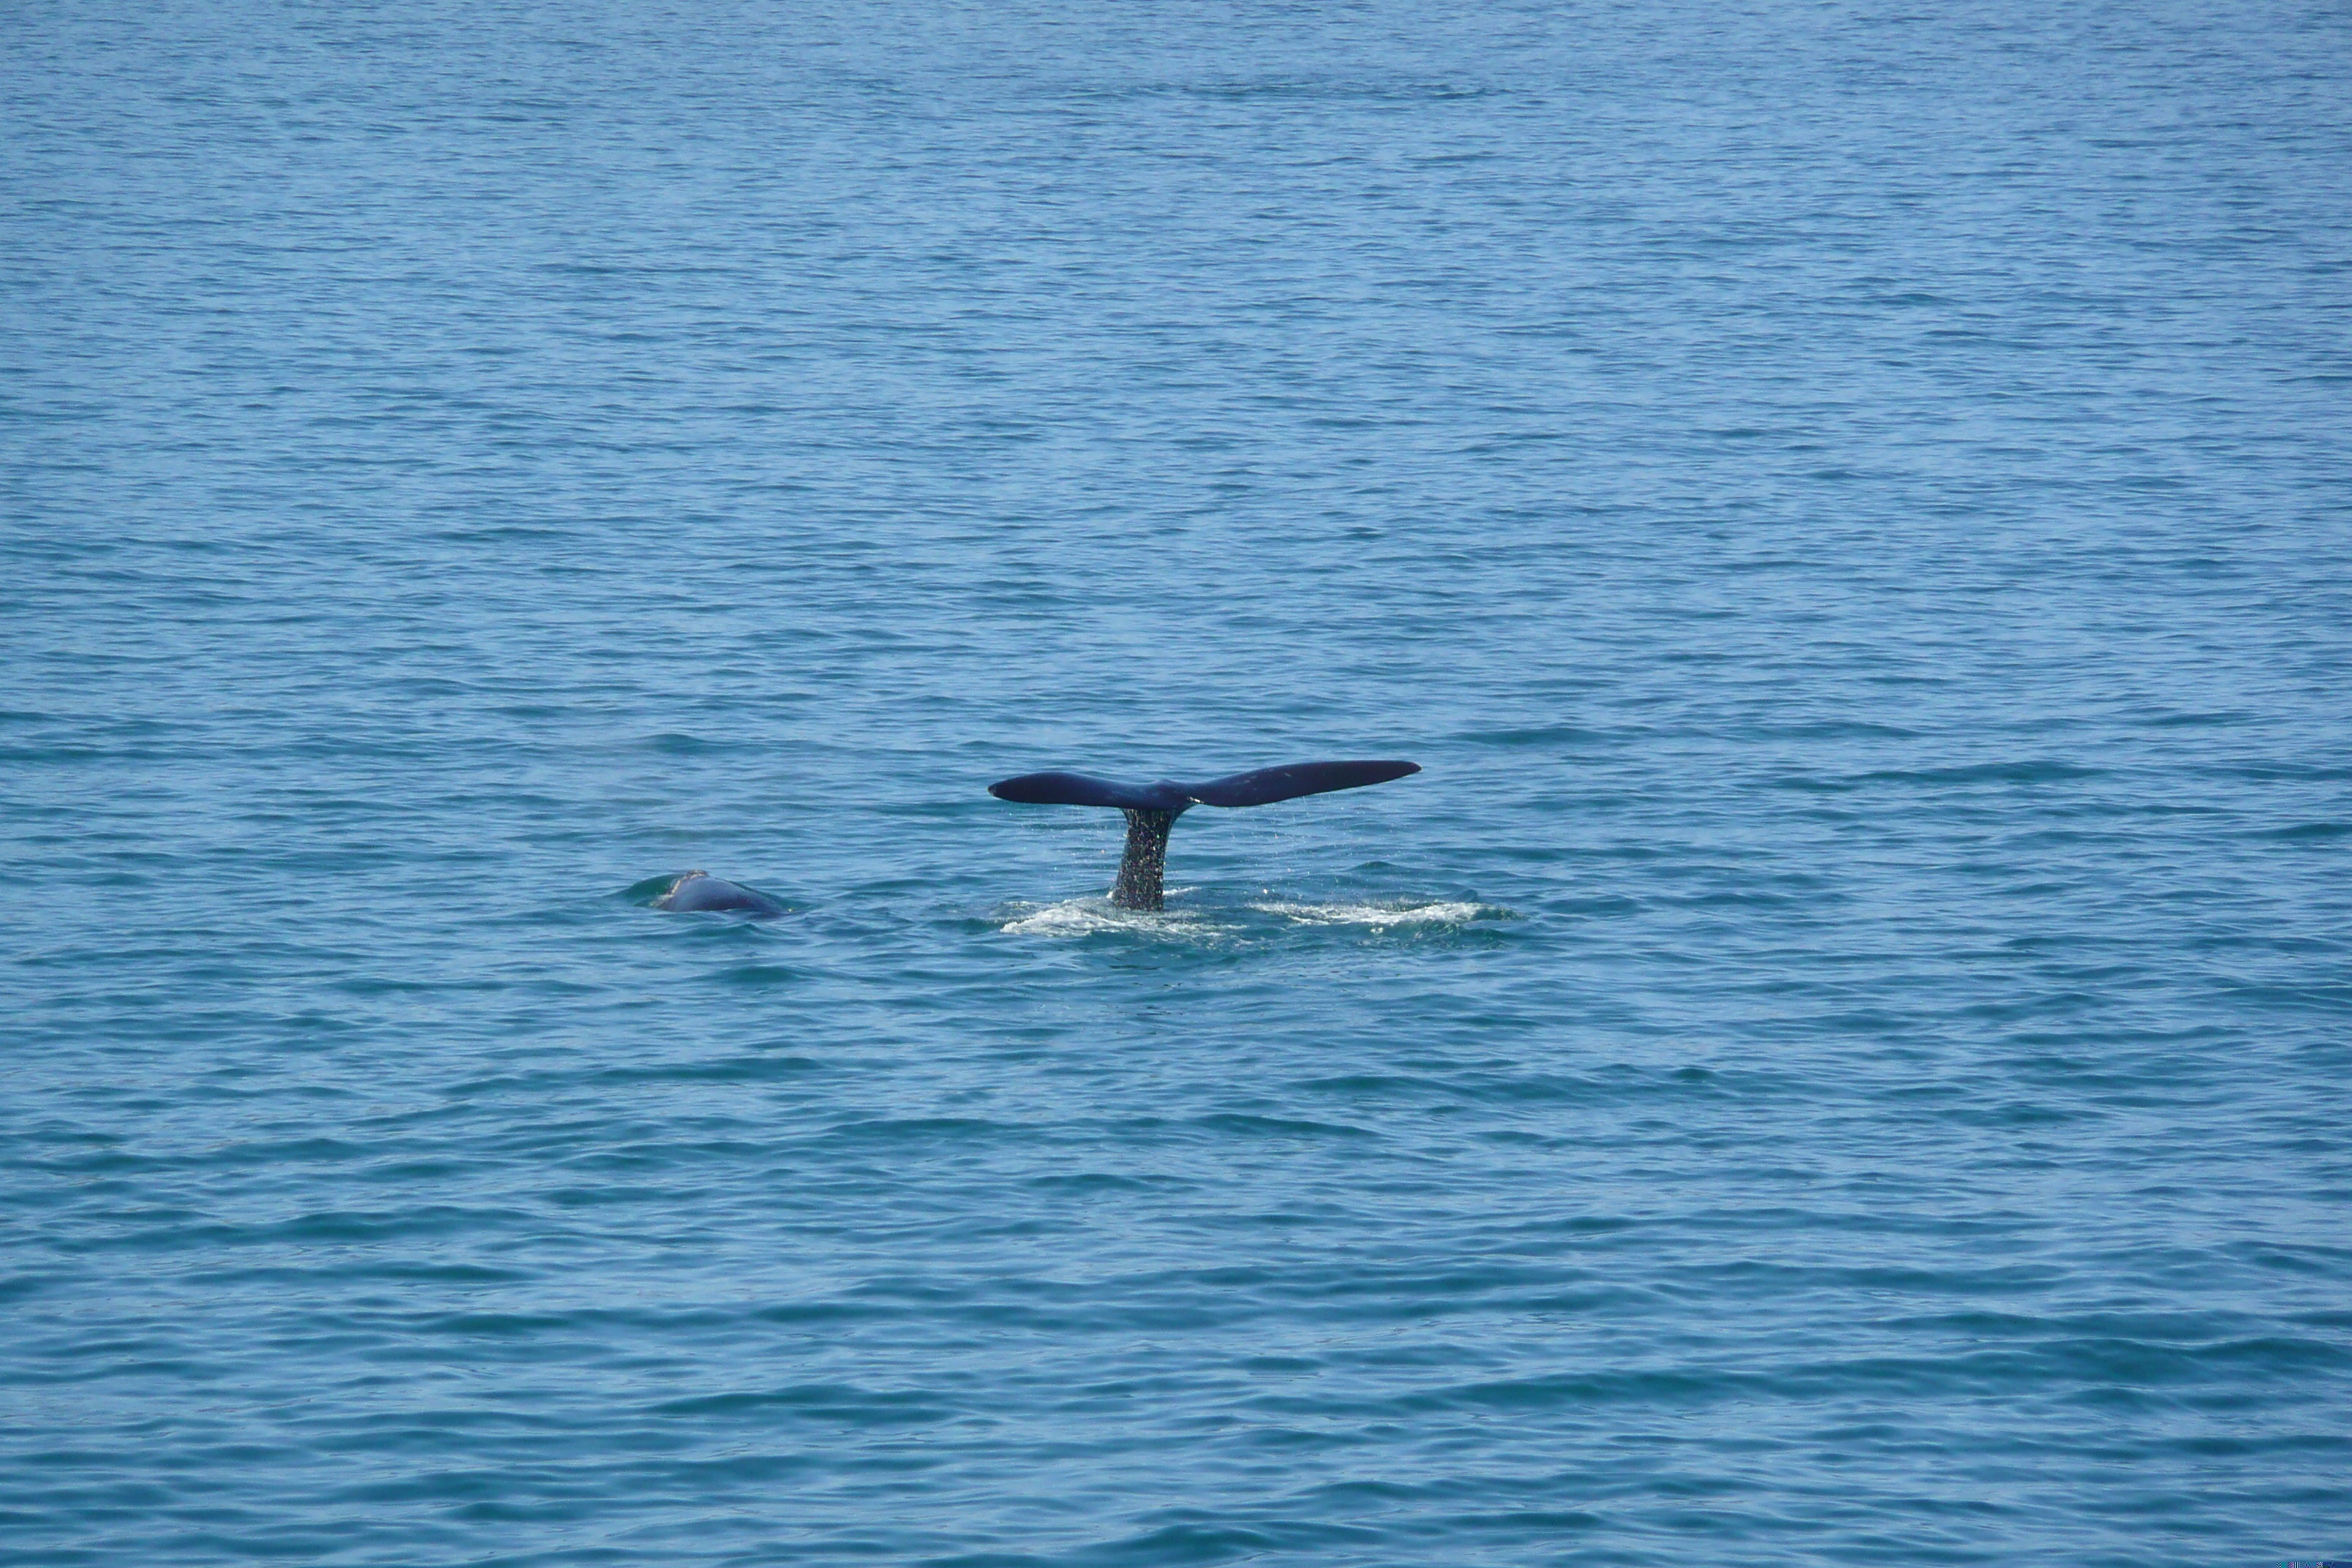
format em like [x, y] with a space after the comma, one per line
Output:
[1152, 809]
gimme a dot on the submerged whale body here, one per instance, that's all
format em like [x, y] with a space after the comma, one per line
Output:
[1152, 809]
[699, 890]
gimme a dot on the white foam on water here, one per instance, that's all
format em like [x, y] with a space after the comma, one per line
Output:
[1092, 915]
[1088, 916]
[1383, 917]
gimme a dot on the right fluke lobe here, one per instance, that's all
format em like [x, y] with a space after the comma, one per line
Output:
[1266, 785]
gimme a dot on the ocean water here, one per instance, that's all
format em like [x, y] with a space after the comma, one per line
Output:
[1843, 1057]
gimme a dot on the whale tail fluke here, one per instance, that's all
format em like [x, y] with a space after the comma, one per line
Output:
[1263, 787]
[1152, 809]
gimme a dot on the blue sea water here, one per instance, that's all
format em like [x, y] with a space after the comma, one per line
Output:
[1843, 1057]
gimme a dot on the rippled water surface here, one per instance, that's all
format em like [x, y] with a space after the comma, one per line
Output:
[1840, 1057]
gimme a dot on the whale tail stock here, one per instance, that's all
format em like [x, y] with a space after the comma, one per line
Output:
[1152, 809]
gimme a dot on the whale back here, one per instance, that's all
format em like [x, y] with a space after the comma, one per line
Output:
[699, 891]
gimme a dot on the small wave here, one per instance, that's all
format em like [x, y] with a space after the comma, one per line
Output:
[1381, 917]
[1540, 735]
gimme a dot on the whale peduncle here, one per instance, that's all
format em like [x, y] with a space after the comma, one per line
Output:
[1145, 864]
